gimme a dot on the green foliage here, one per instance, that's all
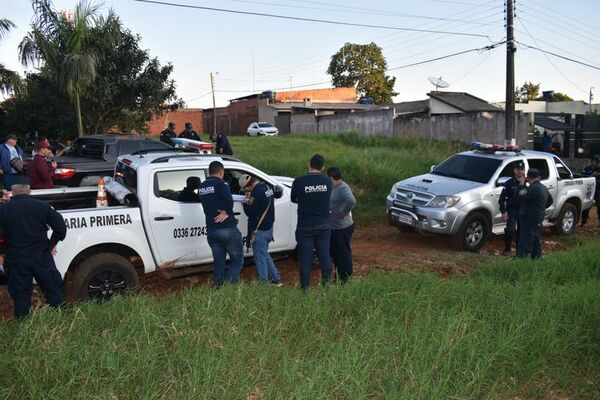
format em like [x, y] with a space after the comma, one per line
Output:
[518, 329]
[558, 96]
[529, 91]
[9, 80]
[363, 66]
[370, 164]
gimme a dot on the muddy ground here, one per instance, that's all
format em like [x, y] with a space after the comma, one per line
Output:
[375, 246]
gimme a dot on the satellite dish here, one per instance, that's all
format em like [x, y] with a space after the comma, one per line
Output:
[438, 82]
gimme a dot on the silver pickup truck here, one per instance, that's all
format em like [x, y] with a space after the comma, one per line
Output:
[460, 196]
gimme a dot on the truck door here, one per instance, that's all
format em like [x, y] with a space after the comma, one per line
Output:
[547, 179]
[281, 230]
[176, 218]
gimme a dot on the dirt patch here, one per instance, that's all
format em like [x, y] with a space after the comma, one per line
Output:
[375, 246]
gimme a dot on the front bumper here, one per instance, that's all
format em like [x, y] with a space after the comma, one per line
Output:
[443, 221]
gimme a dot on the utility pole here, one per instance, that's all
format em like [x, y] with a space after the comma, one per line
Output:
[509, 136]
[291, 95]
[591, 98]
[212, 88]
[253, 74]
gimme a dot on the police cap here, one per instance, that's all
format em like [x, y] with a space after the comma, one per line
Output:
[533, 173]
[520, 165]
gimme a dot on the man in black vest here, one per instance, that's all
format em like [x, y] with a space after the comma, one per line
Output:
[312, 192]
[510, 203]
[168, 134]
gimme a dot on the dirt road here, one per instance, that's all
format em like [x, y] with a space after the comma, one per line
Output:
[375, 246]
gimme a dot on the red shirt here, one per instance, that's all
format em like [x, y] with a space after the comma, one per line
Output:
[40, 173]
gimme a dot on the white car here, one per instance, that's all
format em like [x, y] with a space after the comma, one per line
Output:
[262, 129]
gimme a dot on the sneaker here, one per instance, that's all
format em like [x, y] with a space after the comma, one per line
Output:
[506, 253]
[278, 283]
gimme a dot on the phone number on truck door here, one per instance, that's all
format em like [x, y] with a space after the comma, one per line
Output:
[179, 233]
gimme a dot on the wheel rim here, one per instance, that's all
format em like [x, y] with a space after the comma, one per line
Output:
[106, 284]
[568, 221]
[474, 233]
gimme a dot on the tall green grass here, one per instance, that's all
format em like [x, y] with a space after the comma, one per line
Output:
[516, 328]
[371, 165]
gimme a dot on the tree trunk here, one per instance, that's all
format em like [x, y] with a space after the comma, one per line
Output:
[78, 112]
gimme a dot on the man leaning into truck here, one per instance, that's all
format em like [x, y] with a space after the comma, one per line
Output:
[223, 235]
[29, 252]
[510, 202]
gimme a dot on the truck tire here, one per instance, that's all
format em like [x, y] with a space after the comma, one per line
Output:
[567, 219]
[473, 233]
[102, 276]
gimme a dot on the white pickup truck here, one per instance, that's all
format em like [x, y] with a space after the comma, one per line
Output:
[107, 248]
[460, 196]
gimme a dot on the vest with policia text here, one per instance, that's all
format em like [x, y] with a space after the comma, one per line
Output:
[312, 193]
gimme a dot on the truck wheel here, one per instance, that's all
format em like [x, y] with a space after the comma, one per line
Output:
[567, 220]
[102, 276]
[473, 232]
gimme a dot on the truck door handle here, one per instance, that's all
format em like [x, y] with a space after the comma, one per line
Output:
[550, 187]
[166, 218]
[237, 213]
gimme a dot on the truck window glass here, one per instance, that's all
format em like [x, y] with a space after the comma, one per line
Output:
[232, 176]
[128, 147]
[563, 171]
[468, 167]
[509, 169]
[92, 148]
[126, 176]
[541, 165]
[154, 145]
[180, 186]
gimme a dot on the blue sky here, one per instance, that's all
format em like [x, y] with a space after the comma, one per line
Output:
[259, 53]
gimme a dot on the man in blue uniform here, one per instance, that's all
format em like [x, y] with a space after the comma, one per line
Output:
[510, 202]
[312, 192]
[168, 134]
[222, 145]
[259, 206]
[592, 170]
[223, 235]
[10, 151]
[189, 133]
[29, 252]
[535, 199]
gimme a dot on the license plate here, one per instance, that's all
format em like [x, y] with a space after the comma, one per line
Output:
[404, 219]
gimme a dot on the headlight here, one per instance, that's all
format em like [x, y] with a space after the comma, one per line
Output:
[443, 201]
[393, 191]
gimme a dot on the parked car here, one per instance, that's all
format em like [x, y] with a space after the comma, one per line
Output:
[107, 248]
[91, 157]
[262, 129]
[459, 197]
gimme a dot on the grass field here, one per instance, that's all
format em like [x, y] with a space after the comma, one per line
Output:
[371, 165]
[512, 330]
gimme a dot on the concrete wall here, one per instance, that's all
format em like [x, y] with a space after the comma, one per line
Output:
[304, 123]
[484, 127]
[438, 107]
[380, 122]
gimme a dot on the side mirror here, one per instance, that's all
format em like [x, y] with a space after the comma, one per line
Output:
[502, 180]
[432, 167]
[277, 192]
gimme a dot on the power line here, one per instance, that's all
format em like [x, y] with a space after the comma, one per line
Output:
[560, 14]
[323, 21]
[480, 49]
[559, 56]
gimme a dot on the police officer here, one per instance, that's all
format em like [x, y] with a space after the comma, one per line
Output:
[223, 235]
[168, 134]
[312, 192]
[222, 145]
[510, 202]
[535, 199]
[592, 170]
[189, 133]
[29, 252]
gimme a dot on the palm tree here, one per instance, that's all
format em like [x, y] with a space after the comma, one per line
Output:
[65, 45]
[9, 80]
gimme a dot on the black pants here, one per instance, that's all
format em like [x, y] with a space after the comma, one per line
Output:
[20, 282]
[512, 230]
[585, 214]
[341, 251]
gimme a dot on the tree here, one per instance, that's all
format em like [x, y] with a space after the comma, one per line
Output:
[529, 91]
[9, 80]
[557, 96]
[363, 66]
[65, 46]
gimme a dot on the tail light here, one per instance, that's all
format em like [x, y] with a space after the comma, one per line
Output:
[2, 240]
[63, 173]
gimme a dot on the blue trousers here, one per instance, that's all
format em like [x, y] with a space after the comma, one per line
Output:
[20, 282]
[223, 242]
[265, 267]
[309, 239]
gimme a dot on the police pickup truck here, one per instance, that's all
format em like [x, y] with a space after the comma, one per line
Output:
[107, 248]
[460, 196]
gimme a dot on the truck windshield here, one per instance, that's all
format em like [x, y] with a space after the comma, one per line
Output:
[468, 168]
[126, 176]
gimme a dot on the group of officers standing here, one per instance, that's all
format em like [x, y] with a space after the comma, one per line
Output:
[325, 223]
